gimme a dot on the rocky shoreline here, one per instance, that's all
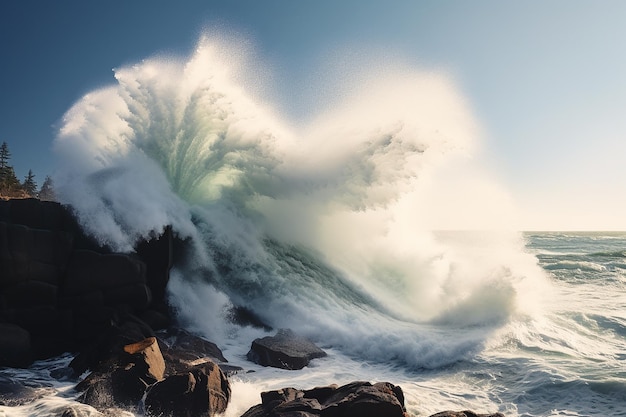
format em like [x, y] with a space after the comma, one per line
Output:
[60, 291]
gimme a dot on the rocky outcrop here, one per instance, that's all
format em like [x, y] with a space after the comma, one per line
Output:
[177, 375]
[123, 378]
[285, 350]
[203, 390]
[355, 399]
[182, 348]
[60, 290]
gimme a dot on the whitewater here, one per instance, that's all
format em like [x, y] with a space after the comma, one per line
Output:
[345, 228]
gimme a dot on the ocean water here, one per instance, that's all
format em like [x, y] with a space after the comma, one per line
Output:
[335, 227]
[566, 359]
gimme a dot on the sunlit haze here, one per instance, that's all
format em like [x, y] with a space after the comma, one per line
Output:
[536, 90]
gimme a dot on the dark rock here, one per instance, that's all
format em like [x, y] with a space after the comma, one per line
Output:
[158, 255]
[146, 355]
[260, 411]
[32, 263]
[66, 290]
[63, 374]
[30, 294]
[121, 387]
[132, 297]
[182, 349]
[32, 254]
[155, 319]
[170, 395]
[97, 391]
[364, 399]
[51, 335]
[14, 393]
[77, 411]
[299, 407]
[194, 385]
[246, 317]
[110, 344]
[70, 412]
[15, 346]
[202, 391]
[354, 399]
[123, 379]
[285, 350]
[129, 384]
[88, 271]
[465, 414]
[230, 370]
[273, 399]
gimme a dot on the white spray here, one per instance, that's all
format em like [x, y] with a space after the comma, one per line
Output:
[325, 226]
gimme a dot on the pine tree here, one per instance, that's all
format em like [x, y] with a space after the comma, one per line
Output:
[29, 185]
[9, 184]
[47, 190]
[5, 156]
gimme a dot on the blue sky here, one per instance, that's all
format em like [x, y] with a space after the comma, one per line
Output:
[546, 80]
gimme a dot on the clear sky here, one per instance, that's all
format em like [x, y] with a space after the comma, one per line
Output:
[546, 80]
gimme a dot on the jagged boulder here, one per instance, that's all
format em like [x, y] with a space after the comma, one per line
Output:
[354, 399]
[202, 391]
[124, 378]
[285, 350]
[181, 349]
[183, 381]
[194, 384]
[147, 356]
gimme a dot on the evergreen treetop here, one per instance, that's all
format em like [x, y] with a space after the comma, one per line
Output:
[5, 155]
[47, 190]
[29, 185]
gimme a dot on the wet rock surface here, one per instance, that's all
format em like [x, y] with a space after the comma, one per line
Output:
[285, 350]
[138, 371]
[14, 392]
[355, 399]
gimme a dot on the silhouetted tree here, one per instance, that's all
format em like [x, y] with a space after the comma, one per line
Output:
[29, 185]
[47, 190]
[9, 184]
[5, 155]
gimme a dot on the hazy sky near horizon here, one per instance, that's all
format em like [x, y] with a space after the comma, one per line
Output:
[546, 80]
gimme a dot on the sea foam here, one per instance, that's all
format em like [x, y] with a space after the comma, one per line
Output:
[325, 225]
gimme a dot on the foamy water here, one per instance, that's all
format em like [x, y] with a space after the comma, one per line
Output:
[325, 227]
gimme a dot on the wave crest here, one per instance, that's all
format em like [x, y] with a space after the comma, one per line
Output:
[328, 219]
